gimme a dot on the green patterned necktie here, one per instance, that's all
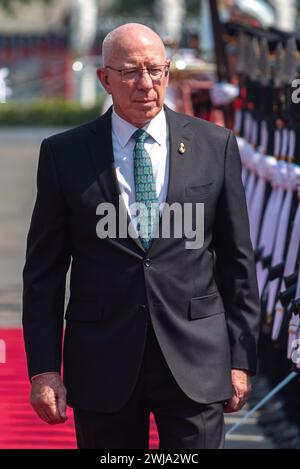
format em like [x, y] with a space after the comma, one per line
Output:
[145, 189]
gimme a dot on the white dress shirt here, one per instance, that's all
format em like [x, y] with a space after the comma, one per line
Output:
[158, 149]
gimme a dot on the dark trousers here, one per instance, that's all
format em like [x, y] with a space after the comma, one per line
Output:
[181, 422]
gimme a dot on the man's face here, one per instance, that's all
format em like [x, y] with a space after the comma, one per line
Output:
[136, 101]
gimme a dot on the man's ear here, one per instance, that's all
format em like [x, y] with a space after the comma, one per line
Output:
[104, 79]
[167, 71]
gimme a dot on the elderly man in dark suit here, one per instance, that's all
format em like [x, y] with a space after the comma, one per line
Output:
[152, 325]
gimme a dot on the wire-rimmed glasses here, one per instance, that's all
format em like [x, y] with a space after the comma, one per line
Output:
[133, 74]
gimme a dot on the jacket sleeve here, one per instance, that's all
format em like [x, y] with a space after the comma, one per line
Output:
[235, 265]
[44, 274]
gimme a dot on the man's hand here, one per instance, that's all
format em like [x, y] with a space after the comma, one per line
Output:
[48, 398]
[241, 386]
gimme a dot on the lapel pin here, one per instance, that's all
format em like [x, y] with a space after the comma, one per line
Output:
[181, 148]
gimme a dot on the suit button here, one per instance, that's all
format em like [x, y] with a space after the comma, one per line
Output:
[147, 262]
[142, 308]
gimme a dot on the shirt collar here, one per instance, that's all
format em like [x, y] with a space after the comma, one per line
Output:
[123, 130]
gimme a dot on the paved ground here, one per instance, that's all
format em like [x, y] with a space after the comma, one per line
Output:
[248, 436]
[18, 163]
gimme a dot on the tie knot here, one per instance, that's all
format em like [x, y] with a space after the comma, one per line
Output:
[140, 135]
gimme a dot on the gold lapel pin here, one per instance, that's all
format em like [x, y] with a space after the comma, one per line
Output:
[181, 148]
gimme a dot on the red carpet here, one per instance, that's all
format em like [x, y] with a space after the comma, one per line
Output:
[19, 425]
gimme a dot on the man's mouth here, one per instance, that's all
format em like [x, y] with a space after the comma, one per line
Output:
[149, 101]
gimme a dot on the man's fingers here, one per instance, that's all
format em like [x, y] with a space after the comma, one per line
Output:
[62, 403]
[42, 414]
[47, 413]
[61, 406]
[241, 388]
[56, 410]
[48, 398]
[53, 413]
[234, 404]
[230, 406]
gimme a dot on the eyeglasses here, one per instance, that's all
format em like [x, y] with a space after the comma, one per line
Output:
[133, 74]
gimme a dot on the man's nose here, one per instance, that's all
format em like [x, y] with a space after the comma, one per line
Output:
[144, 80]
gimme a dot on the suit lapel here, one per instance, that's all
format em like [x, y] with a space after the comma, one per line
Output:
[102, 158]
[179, 133]
[101, 153]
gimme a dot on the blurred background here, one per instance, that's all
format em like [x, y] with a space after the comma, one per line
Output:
[233, 63]
[49, 49]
